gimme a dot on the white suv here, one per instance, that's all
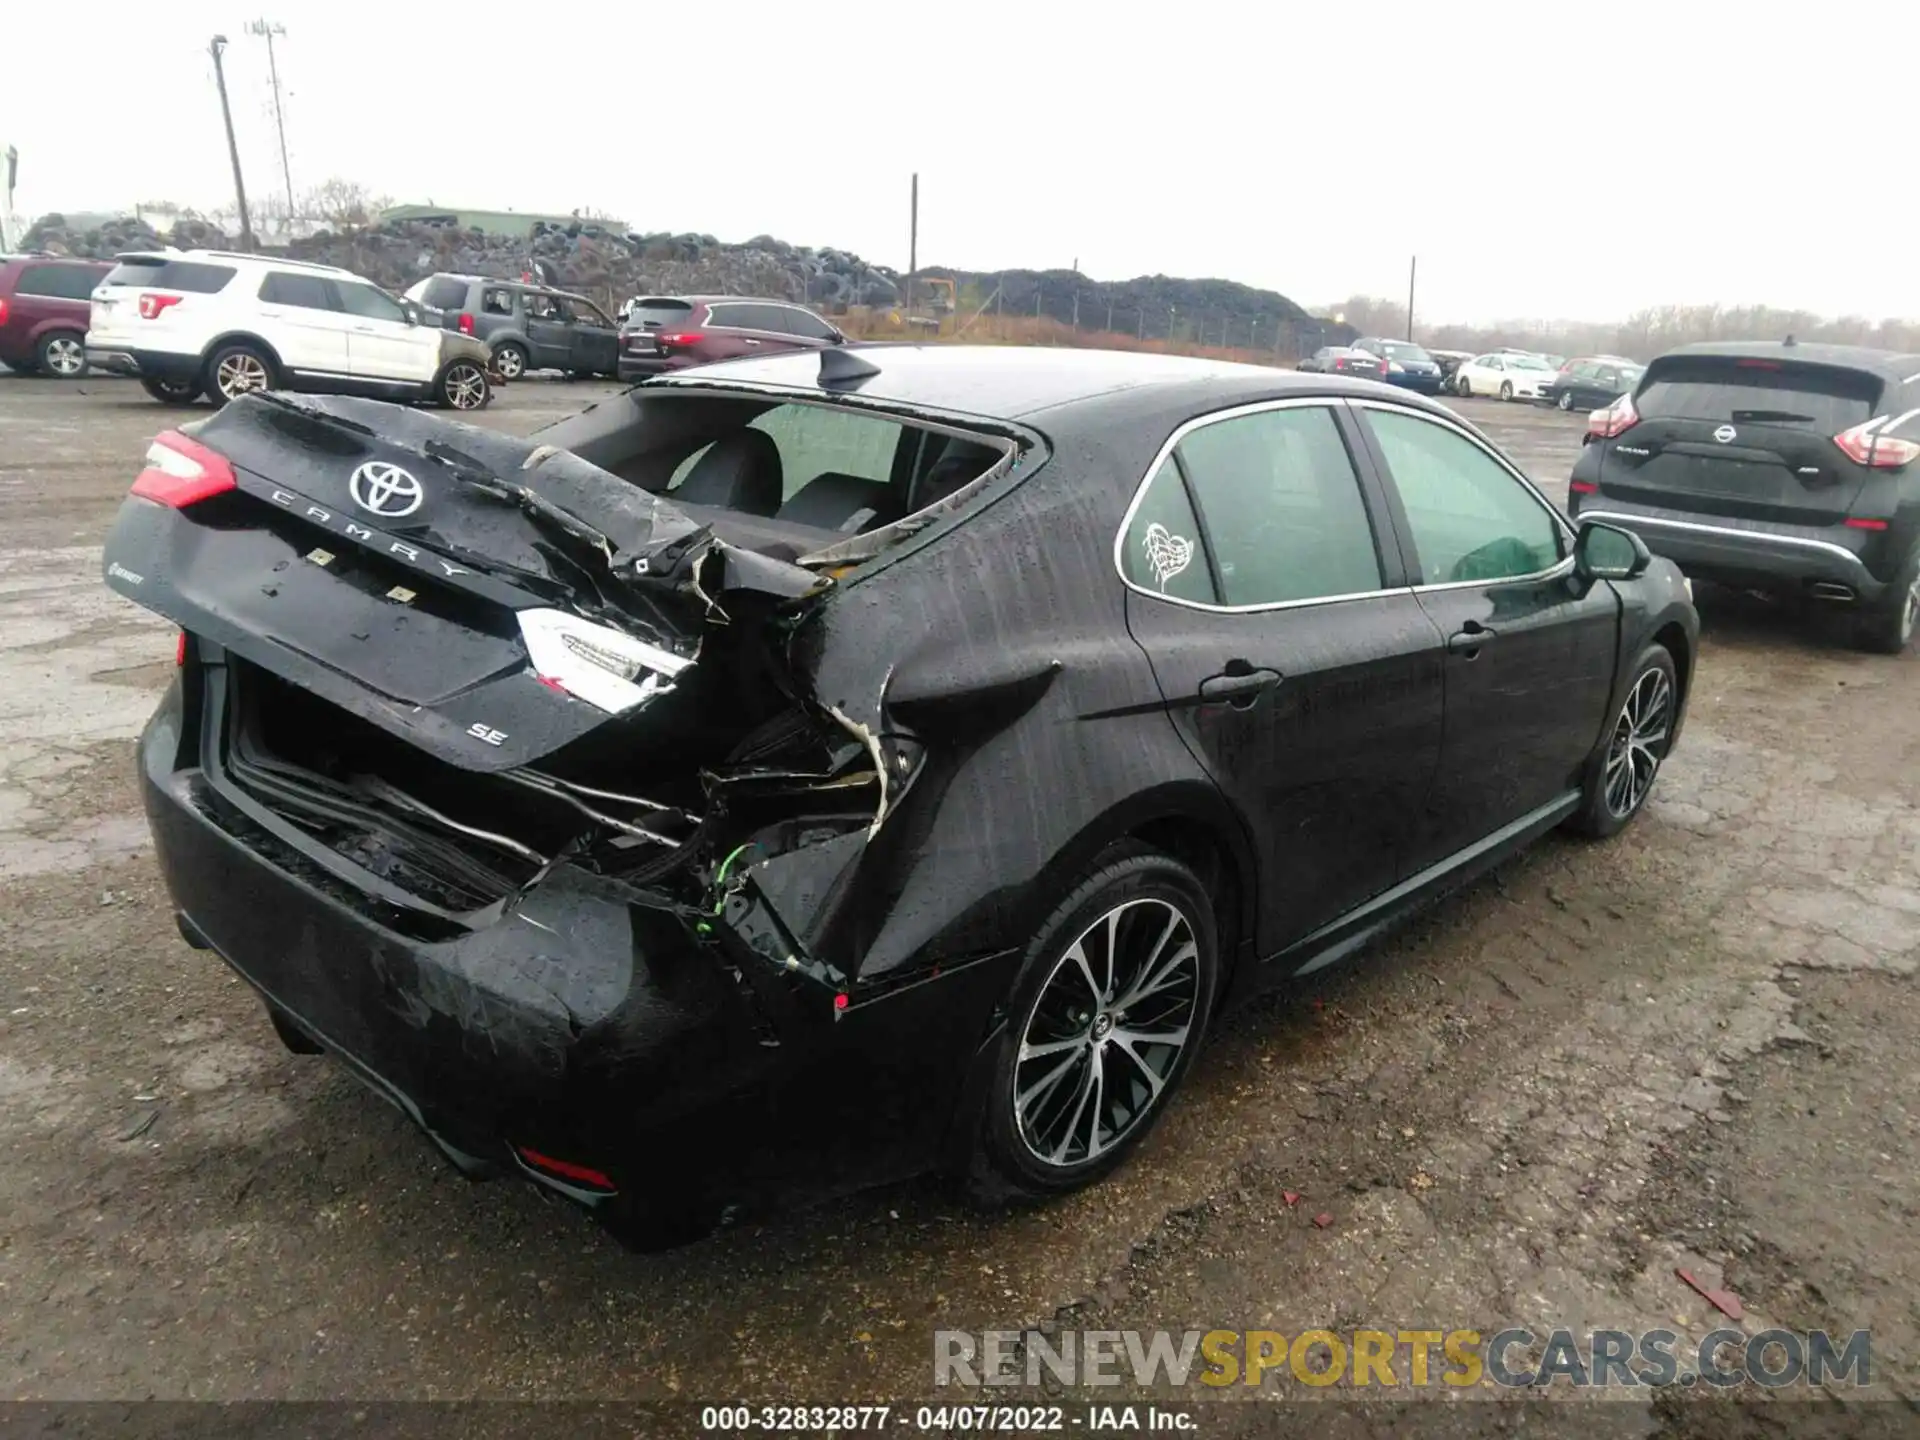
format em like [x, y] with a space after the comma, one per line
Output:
[193, 322]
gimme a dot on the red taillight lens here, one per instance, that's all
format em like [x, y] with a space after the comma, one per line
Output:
[3, 309]
[153, 304]
[180, 650]
[566, 1169]
[1583, 487]
[182, 472]
[466, 323]
[1865, 445]
[682, 337]
[1383, 367]
[1616, 419]
[1857, 522]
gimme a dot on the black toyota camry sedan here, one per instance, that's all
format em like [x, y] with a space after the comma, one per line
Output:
[805, 771]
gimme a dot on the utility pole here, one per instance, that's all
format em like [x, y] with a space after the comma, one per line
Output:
[1140, 332]
[1109, 314]
[218, 44]
[1413, 270]
[1076, 300]
[913, 238]
[267, 29]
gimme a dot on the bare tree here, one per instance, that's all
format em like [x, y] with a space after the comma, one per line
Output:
[343, 204]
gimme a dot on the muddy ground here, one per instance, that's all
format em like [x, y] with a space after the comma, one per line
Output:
[1697, 1045]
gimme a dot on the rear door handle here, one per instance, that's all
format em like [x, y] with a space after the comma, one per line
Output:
[1468, 639]
[1242, 691]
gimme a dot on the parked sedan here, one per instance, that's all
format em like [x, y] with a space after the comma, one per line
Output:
[1510, 376]
[1408, 366]
[806, 771]
[670, 332]
[1340, 360]
[1593, 382]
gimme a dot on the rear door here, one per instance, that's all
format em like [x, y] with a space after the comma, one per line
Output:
[743, 328]
[806, 330]
[1745, 437]
[51, 295]
[1294, 663]
[308, 326]
[1529, 651]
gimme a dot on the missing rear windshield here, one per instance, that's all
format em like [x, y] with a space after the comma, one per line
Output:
[1763, 392]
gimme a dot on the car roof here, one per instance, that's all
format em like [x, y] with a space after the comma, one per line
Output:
[1888, 364]
[278, 262]
[1010, 382]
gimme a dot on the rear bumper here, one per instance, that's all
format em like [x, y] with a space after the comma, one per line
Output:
[147, 364]
[639, 367]
[1747, 554]
[1423, 384]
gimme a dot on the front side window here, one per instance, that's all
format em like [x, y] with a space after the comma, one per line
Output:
[1161, 550]
[370, 303]
[1470, 518]
[1282, 507]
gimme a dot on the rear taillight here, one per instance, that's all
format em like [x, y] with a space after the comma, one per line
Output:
[153, 304]
[182, 472]
[180, 650]
[1383, 367]
[3, 309]
[682, 337]
[1865, 445]
[466, 323]
[1860, 522]
[1616, 419]
[1583, 487]
[565, 1169]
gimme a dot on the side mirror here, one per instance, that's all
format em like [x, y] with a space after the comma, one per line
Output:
[839, 336]
[1606, 552]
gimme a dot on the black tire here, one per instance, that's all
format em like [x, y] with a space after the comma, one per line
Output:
[1566, 401]
[1888, 628]
[462, 385]
[170, 392]
[648, 1227]
[1506, 390]
[1606, 807]
[61, 354]
[1461, 387]
[232, 362]
[291, 1035]
[511, 359]
[1147, 890]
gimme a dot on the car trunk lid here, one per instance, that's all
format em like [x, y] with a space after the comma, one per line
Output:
[487, 598]
[1745, 437]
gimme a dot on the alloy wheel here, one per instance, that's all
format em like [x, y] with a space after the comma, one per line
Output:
[508, 362]
[1106, 1032]
[465, 386]
[66, 357]
[241, 374]
[1566, 400]
[1910, 612]
[1639, 742]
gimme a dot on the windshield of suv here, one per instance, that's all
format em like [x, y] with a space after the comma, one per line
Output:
[1717, 388]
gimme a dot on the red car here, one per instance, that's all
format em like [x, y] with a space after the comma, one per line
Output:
[670, 332]
[45, 302]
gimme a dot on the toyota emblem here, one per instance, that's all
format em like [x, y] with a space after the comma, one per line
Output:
[1724, 435]
[385, 490]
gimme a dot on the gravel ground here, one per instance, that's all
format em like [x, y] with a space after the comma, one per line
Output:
[1694, 1046]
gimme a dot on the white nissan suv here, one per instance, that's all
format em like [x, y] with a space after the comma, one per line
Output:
[214, 323]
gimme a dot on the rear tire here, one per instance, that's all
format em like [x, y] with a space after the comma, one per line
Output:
[1131, 952]
[510, 360]
[62, 354]
[1622, 775]
[1461, 387]
[170, 392]
[1506, 390]
[1566, 400]
[1888, 630]
[238, 369]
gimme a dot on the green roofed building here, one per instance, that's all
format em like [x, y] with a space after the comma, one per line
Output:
[492, 222]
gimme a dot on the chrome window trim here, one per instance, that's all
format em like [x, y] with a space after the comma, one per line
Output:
[1186, 428]
[1617, 519]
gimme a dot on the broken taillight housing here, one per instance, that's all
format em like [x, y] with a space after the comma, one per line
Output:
[1616, 419]
[153, 304]
[181, 472]
[1865, 444]
[596, 663]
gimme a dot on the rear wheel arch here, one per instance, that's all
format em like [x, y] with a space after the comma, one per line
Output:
[1673, 639]
[242, 337]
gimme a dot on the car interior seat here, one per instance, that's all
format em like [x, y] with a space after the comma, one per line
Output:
[740, 472]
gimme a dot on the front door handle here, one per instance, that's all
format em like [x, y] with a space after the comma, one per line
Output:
[1241, 690]
[1468, 639]
[751, 342]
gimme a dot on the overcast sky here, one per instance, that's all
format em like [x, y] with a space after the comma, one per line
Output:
[1542, 159]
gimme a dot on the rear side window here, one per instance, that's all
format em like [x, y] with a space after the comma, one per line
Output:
[750, 317]
[1282, 508]
[1470, 518]
[61, 282]
[444, 292]
[1161, 550]
[370, 303]
[189, 275]
[308, 292]
[1712, 387]
[806, 323]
